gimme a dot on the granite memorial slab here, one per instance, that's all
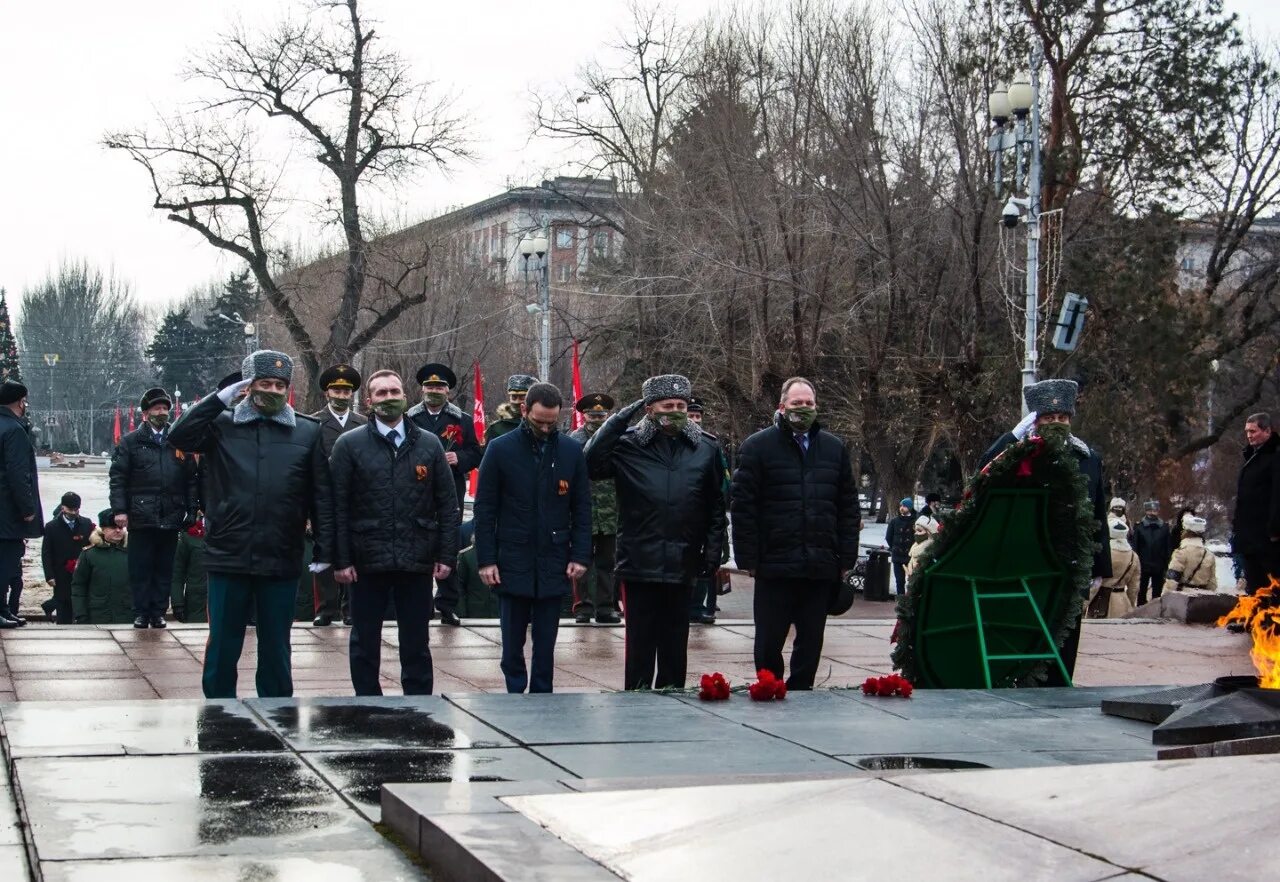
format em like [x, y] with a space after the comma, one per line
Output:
[1203, 819]
[385, 865]
[154, 806]
[744, 754]
[738, 832]
[134, 727]
[391, 722]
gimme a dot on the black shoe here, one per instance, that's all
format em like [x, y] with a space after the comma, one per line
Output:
[608, 619]
[18, 621]
[346, 620]
[449, 617]
[322, 621]
[8, 623]
[582, 618]
[706, 620]
[158, 622]
[141, 622]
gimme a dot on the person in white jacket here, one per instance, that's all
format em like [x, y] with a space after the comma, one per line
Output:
[925, 529]
[1192, 565]
[1121, 589]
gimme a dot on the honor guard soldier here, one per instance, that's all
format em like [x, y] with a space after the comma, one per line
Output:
[597, 592]
[508, 413]
[457, 432]
[339, 384]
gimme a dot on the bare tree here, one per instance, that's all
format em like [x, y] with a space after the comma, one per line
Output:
[358, 113]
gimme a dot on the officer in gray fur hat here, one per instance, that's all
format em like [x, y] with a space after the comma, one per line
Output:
[266, 474]
[1051, 404]
[671, 519]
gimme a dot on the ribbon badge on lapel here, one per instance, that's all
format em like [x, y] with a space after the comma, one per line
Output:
[421, 472]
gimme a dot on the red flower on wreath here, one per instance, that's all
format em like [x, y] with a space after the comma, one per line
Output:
[451, 436]
[714, 687]
[767, 687]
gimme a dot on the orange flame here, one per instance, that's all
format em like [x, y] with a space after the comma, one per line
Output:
[1260, 615]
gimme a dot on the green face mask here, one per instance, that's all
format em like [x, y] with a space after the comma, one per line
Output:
[158, 420]
[435, 399]
[390, 409]
[339, 404]
[268, 403]
[592, 427]
[801, 419]
[671, 423]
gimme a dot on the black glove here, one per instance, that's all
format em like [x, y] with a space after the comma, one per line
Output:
[189, 520]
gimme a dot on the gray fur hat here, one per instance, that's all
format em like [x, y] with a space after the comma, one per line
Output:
[1052, 396]
[267, 364]
[520, 382]
[666, 386]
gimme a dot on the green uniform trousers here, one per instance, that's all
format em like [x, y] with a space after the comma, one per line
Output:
[233, 597]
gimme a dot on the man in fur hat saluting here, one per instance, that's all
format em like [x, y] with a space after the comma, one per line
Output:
[457, 432]
[265, 475]
[671, 519]
[153, 494]
[1051, 405]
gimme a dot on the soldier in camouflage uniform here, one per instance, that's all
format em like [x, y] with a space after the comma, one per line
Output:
[597, 591]
[702, 605]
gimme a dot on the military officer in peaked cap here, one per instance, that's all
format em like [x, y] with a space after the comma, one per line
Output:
[507, 417]
[597, 592]
[457, 432]
[1051, 404]
[339, 384]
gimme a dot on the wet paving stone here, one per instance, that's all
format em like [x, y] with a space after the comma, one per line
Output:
[359, 775]
[385, 865]
[389, 722]
[163, 806]
[135, 727]
[748, 753]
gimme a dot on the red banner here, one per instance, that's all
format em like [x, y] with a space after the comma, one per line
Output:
[291, 396]
[177, 407]
[131, 424]
[578, 419]
[477, 416]
[115, 432]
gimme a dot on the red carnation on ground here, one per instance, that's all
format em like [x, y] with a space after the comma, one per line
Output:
[714, 687]
[884, 687]
[767, 687]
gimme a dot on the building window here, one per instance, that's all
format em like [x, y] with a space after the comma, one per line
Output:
[600, 244]
[563, 272]
[564, 237]
[1188, 264]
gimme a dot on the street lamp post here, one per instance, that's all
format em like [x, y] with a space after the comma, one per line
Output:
[250, 331]
[535, 245]
[1021, 99]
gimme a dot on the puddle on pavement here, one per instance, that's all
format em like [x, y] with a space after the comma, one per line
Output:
[260, 797]
[219, 731]
[361, 774]
[366, 723]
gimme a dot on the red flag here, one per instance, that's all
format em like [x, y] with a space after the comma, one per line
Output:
[131, 425]
[477, 415]
[578, 419]
[115, 432]
[177, 408]
[291, 396]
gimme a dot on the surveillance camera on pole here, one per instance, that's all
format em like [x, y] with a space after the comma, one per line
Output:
[1011, 214]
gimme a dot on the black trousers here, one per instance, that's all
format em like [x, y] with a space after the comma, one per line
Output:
[63, 614]
[1152, 579]
[1259, 568]
[900, 576]
[151, 569]
[412, 592]
[597, 591]
[779, 604]
[518, 616]
[657, 630]
[447, 593]
[11, 572]
[331, 596]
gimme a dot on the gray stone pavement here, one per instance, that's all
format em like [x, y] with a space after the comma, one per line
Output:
[93, 663]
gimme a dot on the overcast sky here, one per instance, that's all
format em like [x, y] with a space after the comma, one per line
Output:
[77, 69]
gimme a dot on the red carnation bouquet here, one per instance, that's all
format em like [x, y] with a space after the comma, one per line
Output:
[714, 687]
[884, 687]
[767, 687]
[452, 435]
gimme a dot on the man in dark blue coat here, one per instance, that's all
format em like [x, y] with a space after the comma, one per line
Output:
[533, 533]
[20, 514]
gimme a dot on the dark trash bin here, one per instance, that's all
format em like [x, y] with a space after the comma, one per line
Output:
[876, 582]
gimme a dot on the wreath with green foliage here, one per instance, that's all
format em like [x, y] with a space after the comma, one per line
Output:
[1036, 463]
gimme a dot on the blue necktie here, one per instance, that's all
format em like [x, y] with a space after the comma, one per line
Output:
[394, 435]
[803, 441]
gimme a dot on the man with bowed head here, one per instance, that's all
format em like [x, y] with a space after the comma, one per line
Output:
[796, 522]
[671, 518]
[265, 475]
[396, 526]
[533, 533]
